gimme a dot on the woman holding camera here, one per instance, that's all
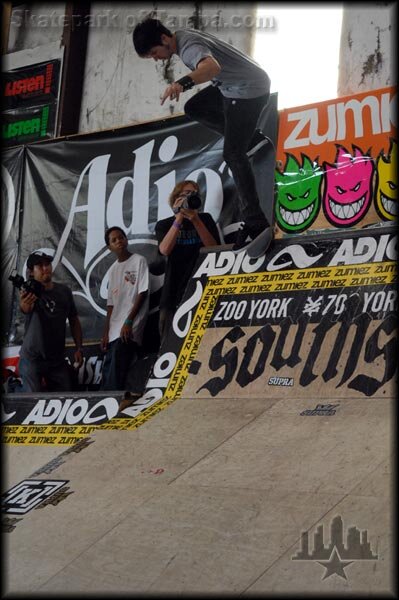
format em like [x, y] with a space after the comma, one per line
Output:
[180, 238]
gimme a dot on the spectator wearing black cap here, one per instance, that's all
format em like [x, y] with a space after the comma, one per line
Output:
[42, 351]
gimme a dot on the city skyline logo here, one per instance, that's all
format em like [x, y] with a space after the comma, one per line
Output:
[339, 553]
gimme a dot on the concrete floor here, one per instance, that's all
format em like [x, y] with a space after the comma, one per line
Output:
[211, 496]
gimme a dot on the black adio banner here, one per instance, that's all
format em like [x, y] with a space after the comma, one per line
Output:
[11, 190]
[75, 189]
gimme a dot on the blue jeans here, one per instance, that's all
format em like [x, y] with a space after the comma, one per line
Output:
[236, 119]
[54, 373]
[120, 357]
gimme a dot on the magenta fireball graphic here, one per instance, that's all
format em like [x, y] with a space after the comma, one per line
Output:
[348, 187]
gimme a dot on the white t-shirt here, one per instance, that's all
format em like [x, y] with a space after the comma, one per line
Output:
[127, 279]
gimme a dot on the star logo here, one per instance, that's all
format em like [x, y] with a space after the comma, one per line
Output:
[335, 565]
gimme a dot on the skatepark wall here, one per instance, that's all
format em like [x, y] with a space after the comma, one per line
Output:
[113, 81]
[112, 94]
[316, 315]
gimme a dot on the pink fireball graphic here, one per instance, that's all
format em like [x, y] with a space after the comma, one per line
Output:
[348, 187]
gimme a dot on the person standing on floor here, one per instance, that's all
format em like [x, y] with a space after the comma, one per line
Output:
[42, 354]
[127, 310]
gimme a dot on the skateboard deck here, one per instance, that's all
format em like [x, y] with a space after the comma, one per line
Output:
[263, 164]
[260, 244]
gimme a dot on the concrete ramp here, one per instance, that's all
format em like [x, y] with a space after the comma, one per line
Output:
[213, 496]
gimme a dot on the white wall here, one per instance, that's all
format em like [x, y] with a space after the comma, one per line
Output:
[120, 88]
[35, 24]
[367, 47]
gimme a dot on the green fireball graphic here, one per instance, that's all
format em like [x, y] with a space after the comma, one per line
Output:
[298, 197]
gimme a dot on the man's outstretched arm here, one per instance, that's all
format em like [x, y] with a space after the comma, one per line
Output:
[206, 70]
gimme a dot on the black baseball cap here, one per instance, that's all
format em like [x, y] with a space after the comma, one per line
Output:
[36, 258]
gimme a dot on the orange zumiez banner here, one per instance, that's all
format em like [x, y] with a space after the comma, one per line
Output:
[339, 163]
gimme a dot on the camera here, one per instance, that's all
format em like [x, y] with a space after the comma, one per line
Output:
[30, 285]
[191, 201]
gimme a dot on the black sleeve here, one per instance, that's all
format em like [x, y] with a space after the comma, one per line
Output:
[162, 228]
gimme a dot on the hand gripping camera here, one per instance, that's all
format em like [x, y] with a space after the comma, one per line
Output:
[191, 201]
[30, 285]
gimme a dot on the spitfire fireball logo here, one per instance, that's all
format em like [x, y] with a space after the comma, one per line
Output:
[348, 187]
[298, 194]
[386, 194]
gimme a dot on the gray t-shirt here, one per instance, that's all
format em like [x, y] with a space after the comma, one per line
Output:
[240, 76]
[45, 326]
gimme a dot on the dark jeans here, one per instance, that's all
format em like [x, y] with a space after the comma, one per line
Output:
[120, 357]
[55, 374]
[236, 119]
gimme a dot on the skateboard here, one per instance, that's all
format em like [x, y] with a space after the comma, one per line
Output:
[263, 165]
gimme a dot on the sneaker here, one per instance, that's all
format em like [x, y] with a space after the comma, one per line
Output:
[245, 236]
[258, 140]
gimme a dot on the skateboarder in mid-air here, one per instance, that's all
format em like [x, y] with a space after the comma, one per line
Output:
[231, 106]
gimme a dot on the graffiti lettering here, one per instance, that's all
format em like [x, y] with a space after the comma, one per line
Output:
[90, 371]
[278, 361]
[228, 361]
[320, 331]
[265, 336]
[258, 347]
[373, 351]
